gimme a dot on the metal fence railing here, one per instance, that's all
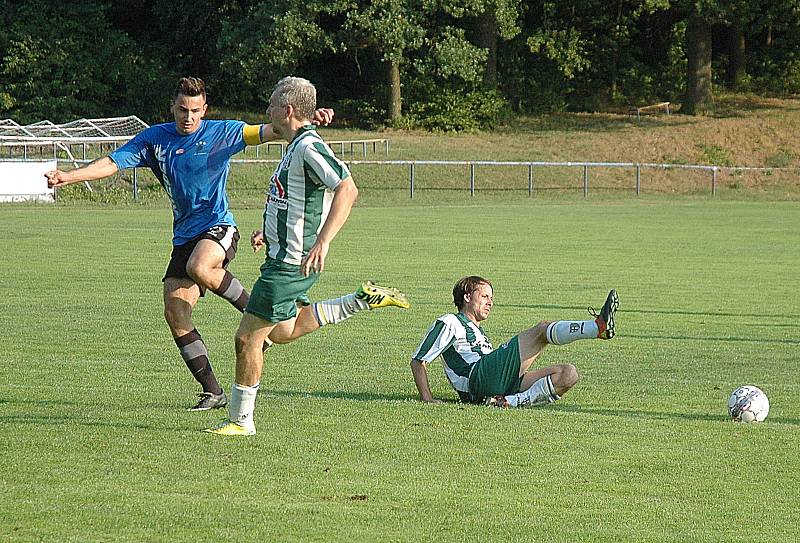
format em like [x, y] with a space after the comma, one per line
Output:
[585, 167]
[472, 171]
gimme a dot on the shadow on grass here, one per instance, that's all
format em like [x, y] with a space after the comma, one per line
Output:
[662, 415]
[737, 105]
[662, 337]
[337, 395]
[68, 423]
[622, 413]
[792, 318]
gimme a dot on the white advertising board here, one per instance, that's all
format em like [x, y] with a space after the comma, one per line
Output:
[23, 181]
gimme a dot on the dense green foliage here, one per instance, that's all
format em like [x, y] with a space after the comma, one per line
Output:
[97, 447]
[437, 64]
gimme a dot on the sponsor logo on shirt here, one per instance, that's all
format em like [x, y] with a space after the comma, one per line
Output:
[286, 161]
[277, 194]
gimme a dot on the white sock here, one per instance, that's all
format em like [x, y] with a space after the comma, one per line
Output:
[242, 404]
[563, 332]
[542, 392]
[336, 310]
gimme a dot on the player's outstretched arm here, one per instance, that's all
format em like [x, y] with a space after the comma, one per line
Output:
[322, 117]
[420, 371]
[97, 169]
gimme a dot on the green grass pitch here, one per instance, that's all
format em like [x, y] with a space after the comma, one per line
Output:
[96, 445]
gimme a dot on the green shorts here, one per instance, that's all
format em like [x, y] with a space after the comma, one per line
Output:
[497, 372]
[279, 290]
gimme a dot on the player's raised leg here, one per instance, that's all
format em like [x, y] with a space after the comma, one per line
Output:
[334, 311]
[547, 385]
[601, 327]
[209, 260]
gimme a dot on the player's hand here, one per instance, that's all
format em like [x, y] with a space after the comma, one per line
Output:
[314, 261]
[257, 240]
[54, 178]
[323, 116]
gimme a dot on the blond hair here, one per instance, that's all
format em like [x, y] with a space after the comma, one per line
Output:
[297, 92]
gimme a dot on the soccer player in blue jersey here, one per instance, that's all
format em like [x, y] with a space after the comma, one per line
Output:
[191, 159]
[502, 377]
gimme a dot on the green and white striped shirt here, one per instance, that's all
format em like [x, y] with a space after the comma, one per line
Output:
[461, 343]
[300, 196]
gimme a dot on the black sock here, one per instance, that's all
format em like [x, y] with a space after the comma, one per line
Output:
[233, 291]
[194, 353]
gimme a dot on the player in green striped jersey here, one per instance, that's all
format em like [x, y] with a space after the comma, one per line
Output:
[310, 197]
[501, 377]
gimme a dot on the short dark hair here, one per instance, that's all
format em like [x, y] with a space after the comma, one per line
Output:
[466, 285]
[191, 86]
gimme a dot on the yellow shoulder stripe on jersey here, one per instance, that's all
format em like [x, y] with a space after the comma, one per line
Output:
[252, 134]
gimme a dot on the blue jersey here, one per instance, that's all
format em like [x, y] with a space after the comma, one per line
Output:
[192, 168]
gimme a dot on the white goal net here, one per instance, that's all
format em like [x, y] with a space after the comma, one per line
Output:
[112, 129]
[77, 141]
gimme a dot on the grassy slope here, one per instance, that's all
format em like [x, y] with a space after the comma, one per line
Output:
[97, 448]
[746, 132]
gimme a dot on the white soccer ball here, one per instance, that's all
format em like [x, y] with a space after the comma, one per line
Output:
[748, 403]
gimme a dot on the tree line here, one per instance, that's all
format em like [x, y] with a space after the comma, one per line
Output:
[436, 64]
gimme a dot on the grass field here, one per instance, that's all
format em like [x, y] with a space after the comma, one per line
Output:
[96, 445]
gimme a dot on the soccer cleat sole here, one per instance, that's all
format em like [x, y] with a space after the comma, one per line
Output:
[607, 315]
[377, 296]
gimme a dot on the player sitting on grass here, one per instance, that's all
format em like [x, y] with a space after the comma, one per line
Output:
[310, 197]
[481, 374]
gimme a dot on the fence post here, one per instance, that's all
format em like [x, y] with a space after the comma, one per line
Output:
[638, 179]
[411, 181]
[530, 180]
[585, 181]
[472, 179]
[387, 146]
[714, 181]
[135, 184]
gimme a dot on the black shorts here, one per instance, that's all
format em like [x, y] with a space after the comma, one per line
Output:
[226, 235]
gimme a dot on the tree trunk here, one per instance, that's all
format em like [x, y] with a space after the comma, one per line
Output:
[486, 38]
[699, 99]
[393, 78]
[737, 70]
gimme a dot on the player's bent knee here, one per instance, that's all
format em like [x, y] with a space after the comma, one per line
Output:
[568, 377]
[199, 274]
[285, 333]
